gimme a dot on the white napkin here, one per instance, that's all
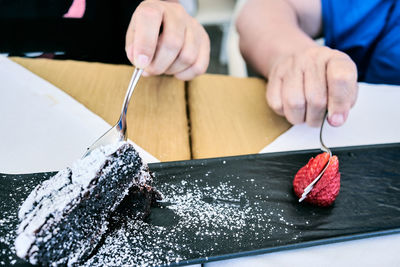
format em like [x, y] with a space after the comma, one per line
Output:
[373, 120]
[43, 128]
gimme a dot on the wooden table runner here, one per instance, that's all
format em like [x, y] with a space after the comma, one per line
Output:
[228, 116]
[156, 115]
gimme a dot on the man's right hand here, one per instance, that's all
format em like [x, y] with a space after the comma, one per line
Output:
[301, 86]
[304, 79]
[182, 48]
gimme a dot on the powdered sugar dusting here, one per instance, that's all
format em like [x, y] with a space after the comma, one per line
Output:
[201, 216]
[53, 199]
[9, 219]
[194, 220]
[87, 168]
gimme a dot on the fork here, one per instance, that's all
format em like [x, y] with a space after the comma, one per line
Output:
[117, 132]
[324, 148]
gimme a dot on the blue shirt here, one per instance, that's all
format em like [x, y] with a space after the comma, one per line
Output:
[369, 32]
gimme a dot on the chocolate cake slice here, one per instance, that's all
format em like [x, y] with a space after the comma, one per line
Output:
[64, 218]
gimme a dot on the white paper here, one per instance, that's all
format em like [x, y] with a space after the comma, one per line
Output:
[375, 119]
[43, 128]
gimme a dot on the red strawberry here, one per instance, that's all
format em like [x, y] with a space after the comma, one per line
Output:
[327, 188]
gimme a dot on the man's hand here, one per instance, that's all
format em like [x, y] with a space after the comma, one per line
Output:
[303, 85]
[304, 79]
[163, 38]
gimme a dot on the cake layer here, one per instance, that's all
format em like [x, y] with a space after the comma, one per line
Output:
[65, 217]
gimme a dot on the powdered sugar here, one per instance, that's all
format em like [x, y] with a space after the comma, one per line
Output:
[195, 219]
[87, 168]
[198, 218]
[50, 201]
[9, 218]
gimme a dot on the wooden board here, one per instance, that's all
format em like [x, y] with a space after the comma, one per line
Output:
[230, 116]
[157, 119]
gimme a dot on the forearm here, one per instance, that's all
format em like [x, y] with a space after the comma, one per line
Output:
[270, 30]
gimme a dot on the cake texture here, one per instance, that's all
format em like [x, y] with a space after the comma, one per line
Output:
[64, 219]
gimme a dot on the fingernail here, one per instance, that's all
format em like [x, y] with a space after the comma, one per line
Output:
[145, 74]
[336, 119]
[141, 61]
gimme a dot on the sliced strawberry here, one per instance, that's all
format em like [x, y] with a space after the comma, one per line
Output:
[327, 188]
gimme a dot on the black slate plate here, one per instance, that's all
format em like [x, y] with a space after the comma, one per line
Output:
[228, 207]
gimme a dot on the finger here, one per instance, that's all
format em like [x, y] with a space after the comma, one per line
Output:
[189, 53]
[342, 89]
[274, 91]
[315, 92]
[294, 103]
[201, 64]
[142, 34]
[170, 42]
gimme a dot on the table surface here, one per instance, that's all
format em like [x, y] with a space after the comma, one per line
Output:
[211, 116]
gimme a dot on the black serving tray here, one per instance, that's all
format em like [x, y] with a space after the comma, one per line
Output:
[221, 208]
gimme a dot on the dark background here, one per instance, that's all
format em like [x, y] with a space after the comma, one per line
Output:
[38, 25]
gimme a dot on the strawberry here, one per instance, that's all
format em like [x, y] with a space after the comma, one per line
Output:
[327, 188]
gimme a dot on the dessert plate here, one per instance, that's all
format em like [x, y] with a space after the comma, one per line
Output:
[222, 208]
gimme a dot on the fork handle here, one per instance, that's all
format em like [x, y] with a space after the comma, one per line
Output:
[325, 149]
[132, 84]
[323, 146]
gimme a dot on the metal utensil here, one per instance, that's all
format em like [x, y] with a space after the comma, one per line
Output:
[117, 132]
[325, 149]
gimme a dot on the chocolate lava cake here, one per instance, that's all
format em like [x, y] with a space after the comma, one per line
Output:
[64, 218]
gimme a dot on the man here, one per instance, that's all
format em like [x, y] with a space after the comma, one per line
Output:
[156, 35]
[304, 78]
